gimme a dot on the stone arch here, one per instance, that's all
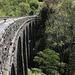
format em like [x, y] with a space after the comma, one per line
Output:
[25, 54]
[19, 58]
[13, 70]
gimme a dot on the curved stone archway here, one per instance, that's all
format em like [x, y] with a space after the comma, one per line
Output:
[19, 58]
[13, 70]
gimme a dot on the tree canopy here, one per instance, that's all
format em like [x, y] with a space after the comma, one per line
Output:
[18, 7]
[49, 61]
[57, 34]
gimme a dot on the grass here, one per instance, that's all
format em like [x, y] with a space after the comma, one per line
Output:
[1, 19]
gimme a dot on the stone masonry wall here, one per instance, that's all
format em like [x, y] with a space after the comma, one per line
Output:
[6, 40]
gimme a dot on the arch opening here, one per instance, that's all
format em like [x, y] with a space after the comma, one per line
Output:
[13, 70]
[33, 33]
[31, 38]
[27, 41]
[30, 35]
[30, 46]
[19, 58]
[36, 30]
[30, 31]
[25, 54]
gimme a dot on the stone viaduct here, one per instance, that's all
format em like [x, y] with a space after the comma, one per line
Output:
[17, 38]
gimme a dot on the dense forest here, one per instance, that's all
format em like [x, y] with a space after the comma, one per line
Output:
[54, 49]
[18, 7]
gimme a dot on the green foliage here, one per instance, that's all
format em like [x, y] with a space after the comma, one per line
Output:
[35, 71]
[68, 6]
[1, 4]
[18, 7]
[16, 10]
[13, 2]
[44, 13]
[7, 9]
[2, 13]
[58, 30]
[25, 8]
[33, 4]
[49, 61]
[31, 12]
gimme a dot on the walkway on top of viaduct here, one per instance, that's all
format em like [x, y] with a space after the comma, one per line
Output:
[17, 38]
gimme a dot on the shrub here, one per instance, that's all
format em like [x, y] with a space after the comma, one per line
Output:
[34, 4]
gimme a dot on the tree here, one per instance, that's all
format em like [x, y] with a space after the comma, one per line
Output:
[25, 8]
[49, 61]
[34, 4]
[1, 4]
[7, 9]
[2, 13]
[18, 7]
[60, 28]
[48, 2]
[68, 8]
